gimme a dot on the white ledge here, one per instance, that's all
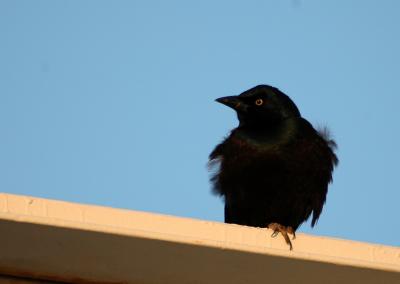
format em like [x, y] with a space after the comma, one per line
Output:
[75, 243]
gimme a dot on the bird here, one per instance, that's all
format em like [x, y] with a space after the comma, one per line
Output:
[274, 168]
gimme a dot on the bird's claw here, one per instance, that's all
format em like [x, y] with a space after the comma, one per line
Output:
[278, 228]
[274, 234]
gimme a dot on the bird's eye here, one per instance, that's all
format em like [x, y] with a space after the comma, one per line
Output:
[259, 102]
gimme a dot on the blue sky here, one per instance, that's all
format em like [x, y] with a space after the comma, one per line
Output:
[112, 102]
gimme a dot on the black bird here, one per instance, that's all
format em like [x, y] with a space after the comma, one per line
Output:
[273, 170]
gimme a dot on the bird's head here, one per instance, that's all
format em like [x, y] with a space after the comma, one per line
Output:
[261, 106]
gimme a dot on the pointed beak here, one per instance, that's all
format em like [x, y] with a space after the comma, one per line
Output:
[233, 102]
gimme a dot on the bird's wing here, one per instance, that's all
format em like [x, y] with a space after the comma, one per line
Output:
[214, 164]
[316, 151]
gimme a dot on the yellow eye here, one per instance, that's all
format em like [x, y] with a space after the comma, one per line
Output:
[259, 102]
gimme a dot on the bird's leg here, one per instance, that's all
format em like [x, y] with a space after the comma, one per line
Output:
[278, 228]
[290, 230]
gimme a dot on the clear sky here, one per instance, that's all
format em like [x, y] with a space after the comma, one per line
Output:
[112, 102]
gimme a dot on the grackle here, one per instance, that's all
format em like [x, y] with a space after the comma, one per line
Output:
[273, 170]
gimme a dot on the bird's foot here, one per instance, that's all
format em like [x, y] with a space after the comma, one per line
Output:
[278, 228]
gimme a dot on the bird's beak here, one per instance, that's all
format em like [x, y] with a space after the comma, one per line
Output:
[233, 102]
